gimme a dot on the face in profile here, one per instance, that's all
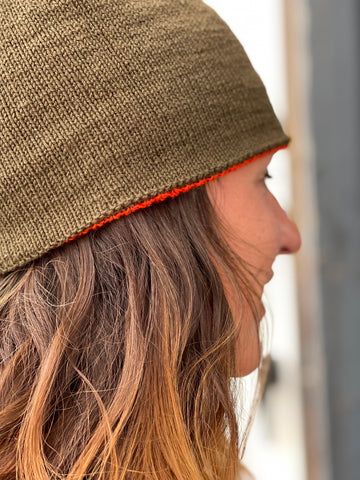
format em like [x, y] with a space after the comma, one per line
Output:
[259, 231]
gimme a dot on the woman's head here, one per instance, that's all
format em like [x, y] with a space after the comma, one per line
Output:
[118, 326]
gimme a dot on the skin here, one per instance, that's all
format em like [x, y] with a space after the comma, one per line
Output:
[259, 230]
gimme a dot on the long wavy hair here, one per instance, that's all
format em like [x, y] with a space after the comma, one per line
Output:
[117, 352]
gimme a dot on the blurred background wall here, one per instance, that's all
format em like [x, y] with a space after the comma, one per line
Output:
[335, 125]
[307, 53]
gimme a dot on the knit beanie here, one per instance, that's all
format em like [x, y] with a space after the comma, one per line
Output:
[107, 106]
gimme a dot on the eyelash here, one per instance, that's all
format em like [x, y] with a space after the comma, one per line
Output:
[267, 175]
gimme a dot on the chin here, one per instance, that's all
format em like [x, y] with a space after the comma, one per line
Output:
[247, 367]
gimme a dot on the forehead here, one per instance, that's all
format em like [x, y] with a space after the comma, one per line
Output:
[249, 168]
[241, 179]
[261, 161]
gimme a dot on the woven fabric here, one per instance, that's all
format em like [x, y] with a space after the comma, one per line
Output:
[108, 105]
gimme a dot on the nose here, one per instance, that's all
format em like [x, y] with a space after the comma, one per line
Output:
[290, 236]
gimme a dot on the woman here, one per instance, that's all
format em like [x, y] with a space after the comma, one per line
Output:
[136, 235]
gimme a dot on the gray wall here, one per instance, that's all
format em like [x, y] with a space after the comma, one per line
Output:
[335, 111]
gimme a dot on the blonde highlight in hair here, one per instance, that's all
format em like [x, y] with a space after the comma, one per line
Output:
[117, 352]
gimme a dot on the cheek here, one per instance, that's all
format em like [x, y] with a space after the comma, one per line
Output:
[243, 220]
[258, 225]
[253, 235]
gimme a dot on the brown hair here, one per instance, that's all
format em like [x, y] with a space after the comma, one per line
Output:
[117, 351]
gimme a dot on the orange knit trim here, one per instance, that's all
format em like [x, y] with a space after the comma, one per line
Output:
[172, 193]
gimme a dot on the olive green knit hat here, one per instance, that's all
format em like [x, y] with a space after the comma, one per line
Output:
[107, 106]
